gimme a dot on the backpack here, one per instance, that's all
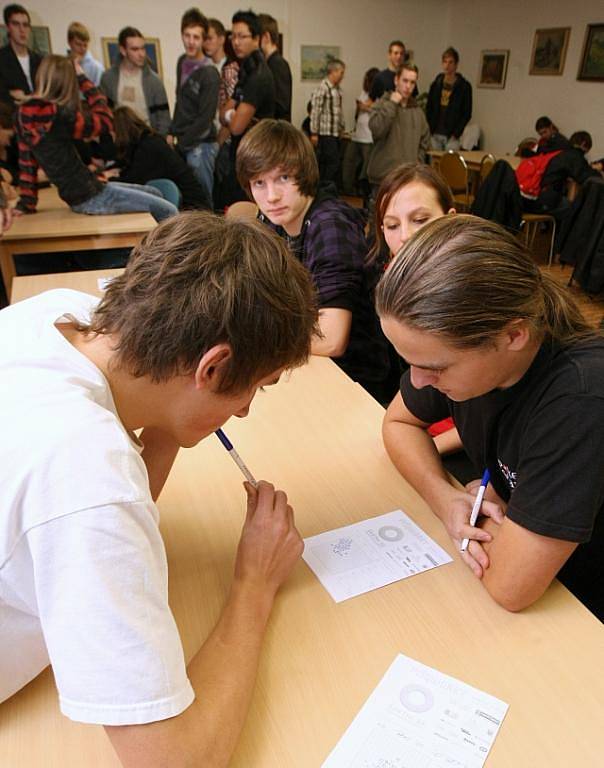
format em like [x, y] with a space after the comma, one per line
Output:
[530, 172]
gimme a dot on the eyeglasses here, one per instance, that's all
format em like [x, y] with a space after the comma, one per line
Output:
[240, 37]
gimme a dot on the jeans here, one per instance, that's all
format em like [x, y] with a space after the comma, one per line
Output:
[117, 197]
[439, 141]
[202, 160]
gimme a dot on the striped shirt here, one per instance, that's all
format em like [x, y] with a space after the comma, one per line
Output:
[326, 118]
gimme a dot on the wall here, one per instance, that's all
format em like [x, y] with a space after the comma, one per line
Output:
[344, 22]
[506, 116]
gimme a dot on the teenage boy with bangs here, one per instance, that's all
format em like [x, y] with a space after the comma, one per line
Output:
[84, 572]
[277, 167]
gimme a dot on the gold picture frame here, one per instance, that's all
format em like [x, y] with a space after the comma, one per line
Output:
[549, 51]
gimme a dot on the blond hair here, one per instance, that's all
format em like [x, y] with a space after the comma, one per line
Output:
[57, 83]
[77, 31]
[466, 278]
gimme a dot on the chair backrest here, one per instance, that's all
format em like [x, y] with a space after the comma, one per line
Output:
[486, 166]
[242, 210]
[454, 170]
[529, 143]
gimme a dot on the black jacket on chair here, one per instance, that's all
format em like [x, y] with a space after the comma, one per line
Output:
[582, 237]
[12, 76]
[498, 197]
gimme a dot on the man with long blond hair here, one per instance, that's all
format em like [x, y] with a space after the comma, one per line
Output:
[97, 398]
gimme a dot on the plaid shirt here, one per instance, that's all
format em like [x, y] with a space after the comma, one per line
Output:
[326, 116]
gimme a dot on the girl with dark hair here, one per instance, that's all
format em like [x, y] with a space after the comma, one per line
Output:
[144, 156]
[503, 349]
[49, 123]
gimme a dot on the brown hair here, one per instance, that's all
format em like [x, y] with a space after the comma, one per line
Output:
[408, 66]
[466, 278]
[198, 280]
[129, 128]
[397, 179]
[193, 18]
[77, 31]
[269, 24]
[277, 144]
[56, 82]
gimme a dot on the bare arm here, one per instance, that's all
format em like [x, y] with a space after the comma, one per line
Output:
[223, 672]
[448, 442]
[244, 114]
[335, 330]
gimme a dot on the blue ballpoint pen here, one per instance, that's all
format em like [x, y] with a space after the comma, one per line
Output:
[477, 504]
[236, 457]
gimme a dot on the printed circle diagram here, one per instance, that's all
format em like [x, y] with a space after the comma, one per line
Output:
[416, 698]
[390, 533]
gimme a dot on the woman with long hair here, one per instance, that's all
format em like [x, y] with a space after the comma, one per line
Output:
[49, 122]
[503, 349]
[143, 155]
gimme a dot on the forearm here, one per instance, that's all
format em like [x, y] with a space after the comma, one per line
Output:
[448, 442]
[158, 454]
[335, 327]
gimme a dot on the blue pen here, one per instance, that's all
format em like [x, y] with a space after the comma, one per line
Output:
[477, 504]
[236, 457]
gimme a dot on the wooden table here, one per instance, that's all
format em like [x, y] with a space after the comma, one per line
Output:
[474, 157]
[57, 228]
[317, 435]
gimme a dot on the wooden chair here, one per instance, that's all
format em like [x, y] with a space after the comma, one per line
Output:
[486, 166]
[454, 171]
[530, 225]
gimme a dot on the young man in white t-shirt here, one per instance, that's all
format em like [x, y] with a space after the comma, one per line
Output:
[83, 573]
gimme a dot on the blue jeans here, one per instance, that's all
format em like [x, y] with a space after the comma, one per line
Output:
[117, 197]
[445, 143]
[202, 160]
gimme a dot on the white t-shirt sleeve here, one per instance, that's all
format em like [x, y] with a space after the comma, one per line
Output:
[102, 588]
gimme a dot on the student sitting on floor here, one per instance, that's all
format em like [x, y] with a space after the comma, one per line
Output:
[277, 166]
[47, 125]
[143, 155]
[84, 573]
[503, 349]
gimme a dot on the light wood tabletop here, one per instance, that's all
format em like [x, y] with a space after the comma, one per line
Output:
[474, 157]
[317, 435]
[55, 227]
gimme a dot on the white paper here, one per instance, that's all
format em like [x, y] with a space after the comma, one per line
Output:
[419, 718]
[358, 558]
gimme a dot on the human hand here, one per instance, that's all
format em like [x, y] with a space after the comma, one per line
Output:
[314, 139]
[456, 520]
[170, 140]
[396, 97]
[270, 544]
[6, 218]
[17, 94]
[77, 66]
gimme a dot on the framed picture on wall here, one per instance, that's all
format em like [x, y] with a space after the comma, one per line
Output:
[315, 58]
[493, 68]
[111, 53]
[39, 39]
[549, 51]
[592, 60]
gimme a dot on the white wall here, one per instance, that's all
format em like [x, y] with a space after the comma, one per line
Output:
[362, 28]
[506, 116]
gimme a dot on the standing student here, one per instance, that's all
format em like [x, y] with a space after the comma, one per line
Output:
[132, 83]
[384, 81]
[269, 40]
[327, 120]
[503, 349]
[277, 166]
[213, 43]
[112, 389]
[193, 28]
[358, 149]
[398, 126]
[48, 124]
[449, 106]
[78, 40]
[18, 64]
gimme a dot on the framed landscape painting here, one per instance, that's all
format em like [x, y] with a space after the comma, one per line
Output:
[592, 60]
[493, 68]
[315, 58]
[111, 53]
[549, 51]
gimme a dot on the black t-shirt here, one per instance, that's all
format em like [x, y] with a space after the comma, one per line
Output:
[256, 86]
[543, 442]
[383, 81]
[283, 86]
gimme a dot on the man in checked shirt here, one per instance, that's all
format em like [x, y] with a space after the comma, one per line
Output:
[327, 120]
[277, 167]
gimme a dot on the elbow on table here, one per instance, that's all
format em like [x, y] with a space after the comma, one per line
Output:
[512, 600]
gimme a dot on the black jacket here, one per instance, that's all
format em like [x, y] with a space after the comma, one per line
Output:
[196, 104]
[283, 86]
[498, 198]
[582, 237]
[152, 158]
[458, 113]
[12, 76]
